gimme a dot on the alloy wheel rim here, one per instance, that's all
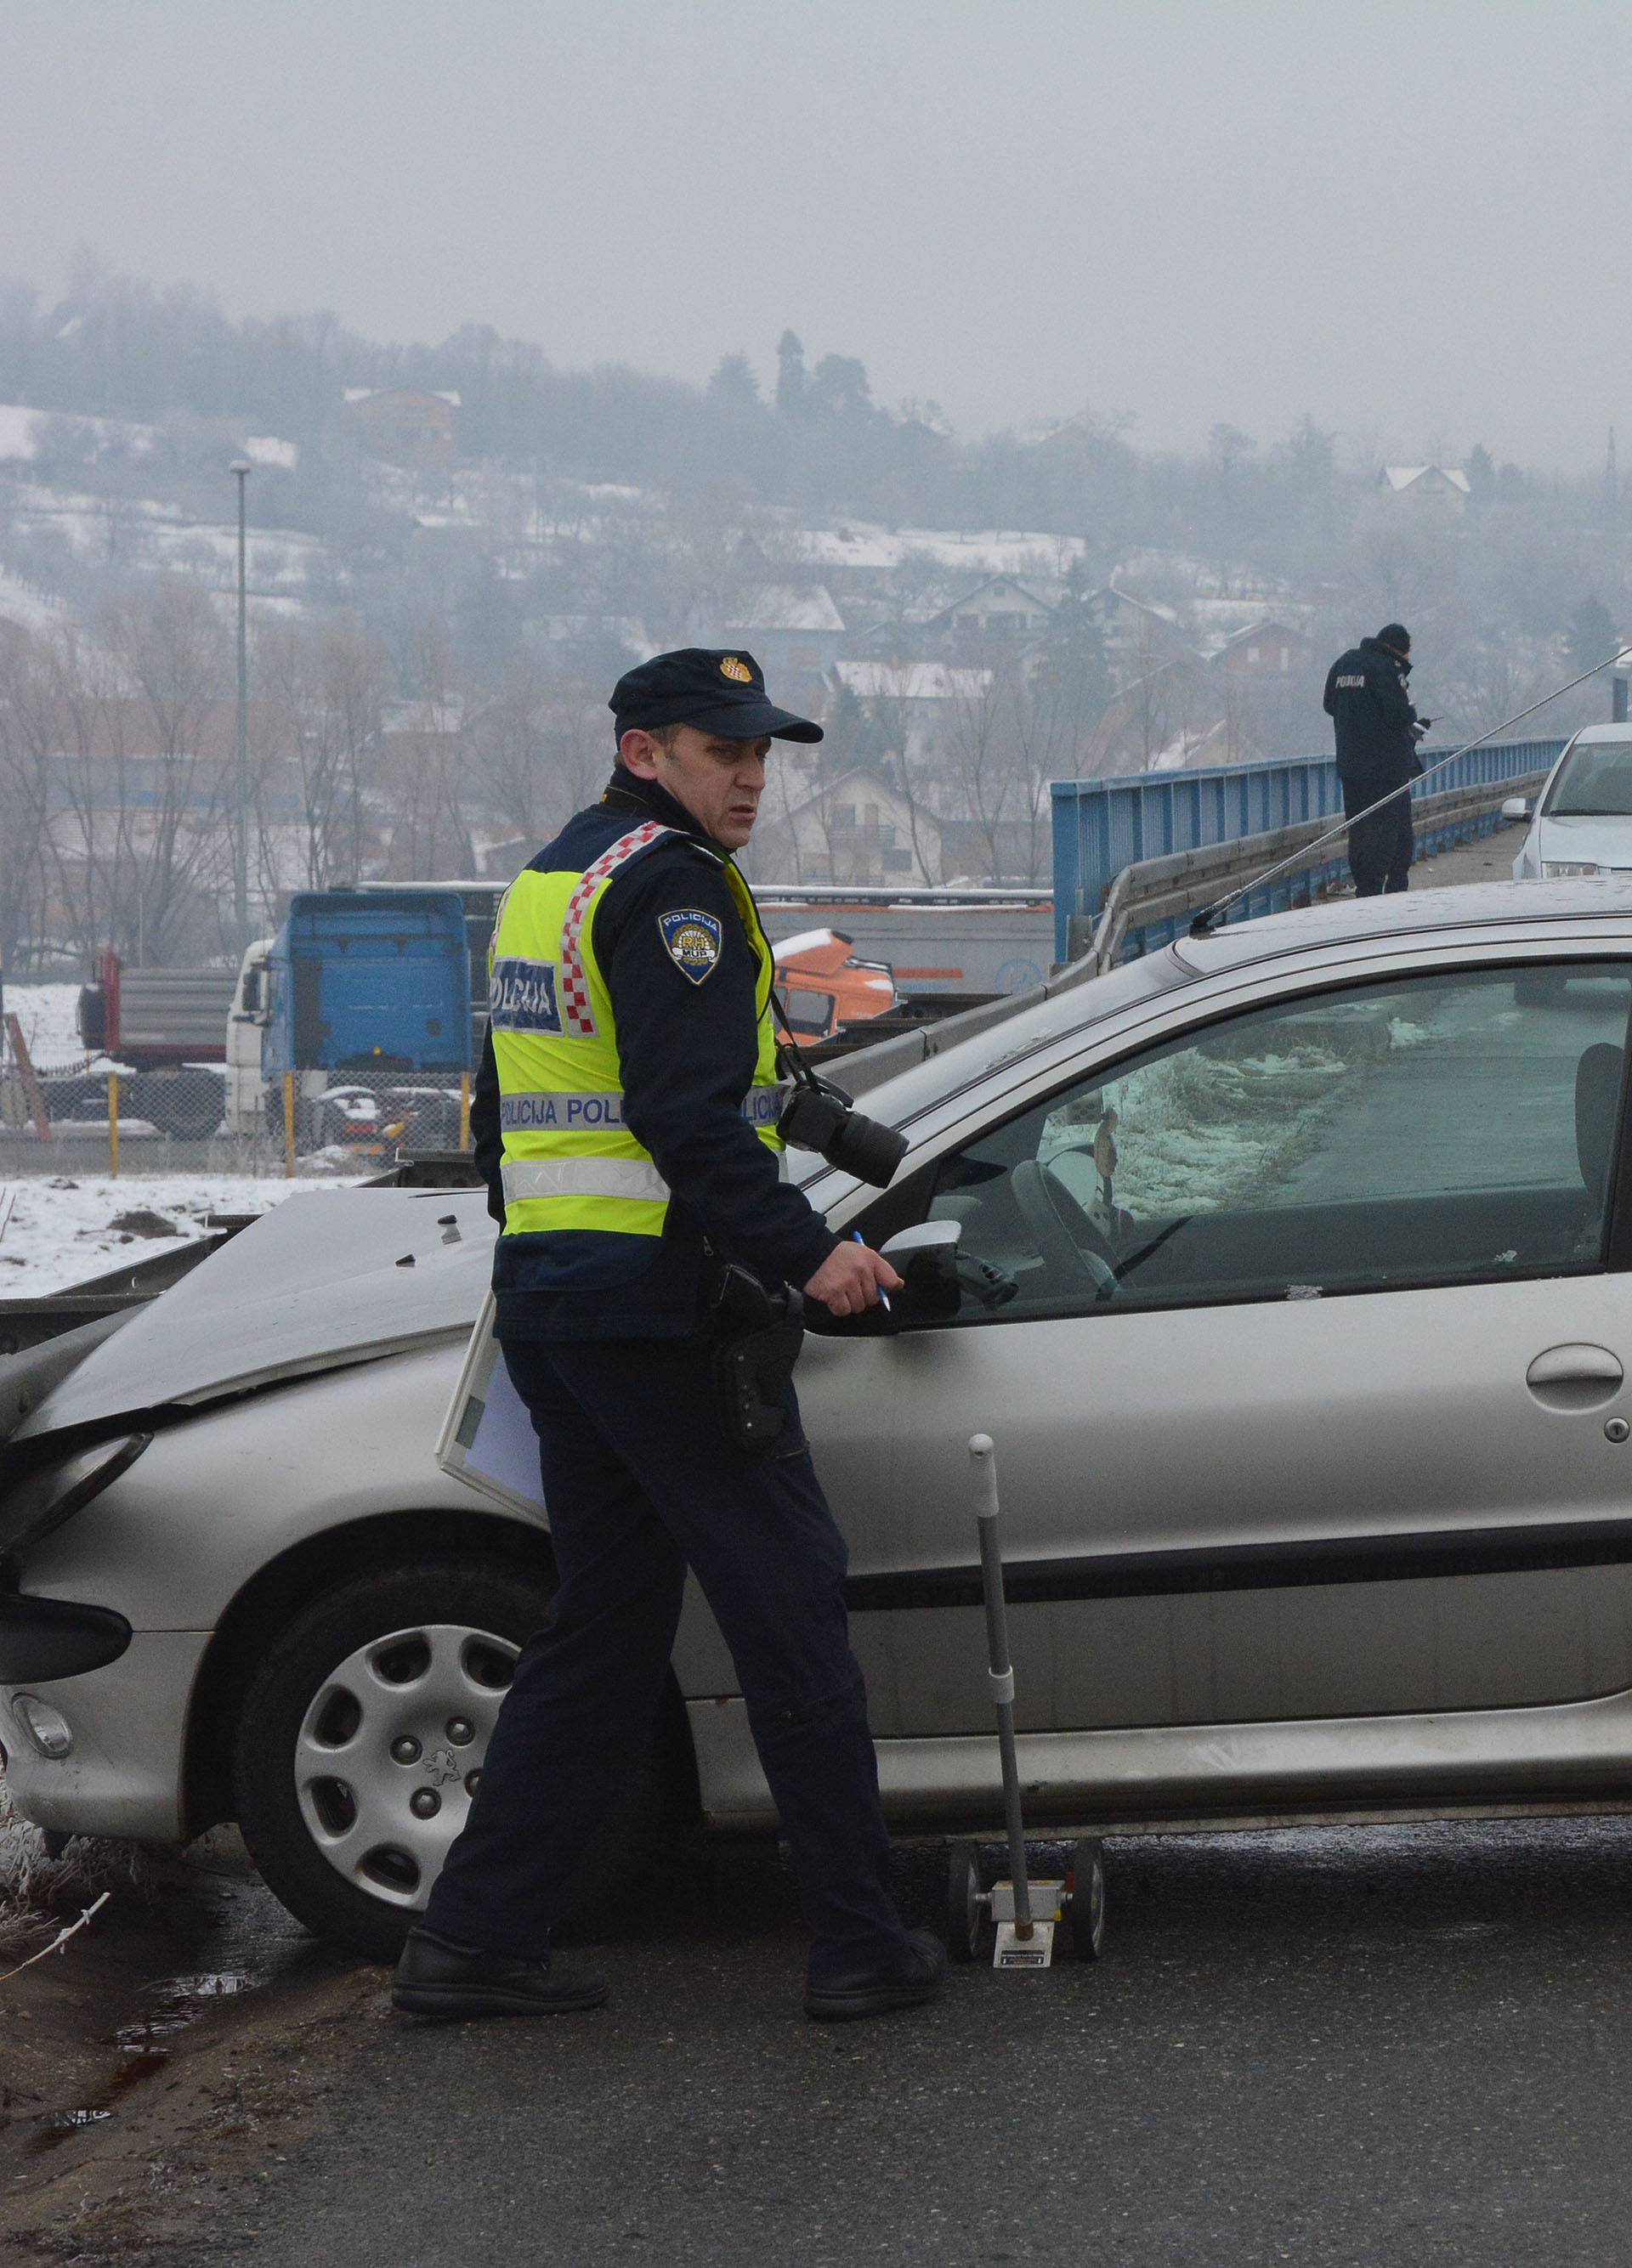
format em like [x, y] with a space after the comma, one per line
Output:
[390, 1750]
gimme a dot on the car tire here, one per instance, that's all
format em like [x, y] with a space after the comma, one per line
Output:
[365, 1894]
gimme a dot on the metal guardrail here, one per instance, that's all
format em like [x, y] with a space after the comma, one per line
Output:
[1154, 896]
[1100, 826]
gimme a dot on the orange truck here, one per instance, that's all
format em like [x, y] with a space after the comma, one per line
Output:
[850, 954]
[823, 985]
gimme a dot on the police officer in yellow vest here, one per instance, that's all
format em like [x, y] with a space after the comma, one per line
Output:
[626, 1121]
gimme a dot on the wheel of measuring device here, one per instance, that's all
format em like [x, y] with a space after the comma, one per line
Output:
[965, 1914]
[1085, 1915]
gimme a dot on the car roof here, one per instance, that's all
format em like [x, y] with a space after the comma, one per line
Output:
[1408, 913]
[915, 1072]
[1590, 732]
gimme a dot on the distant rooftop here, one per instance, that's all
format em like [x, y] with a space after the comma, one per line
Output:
[785, 607]
[1401, 477]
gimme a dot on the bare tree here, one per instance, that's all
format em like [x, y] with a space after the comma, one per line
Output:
[25, 796]
[980, 744]
[903, 710]
[168, 748]
[541, 746]
[322, 688]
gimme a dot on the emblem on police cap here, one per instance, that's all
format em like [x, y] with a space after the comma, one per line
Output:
[731, 666]
[692, 941]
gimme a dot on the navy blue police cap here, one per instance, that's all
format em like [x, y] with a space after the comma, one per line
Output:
[718, 690]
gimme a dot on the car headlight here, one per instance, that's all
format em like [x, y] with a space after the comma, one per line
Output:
[44, 1499]
[1553, 870]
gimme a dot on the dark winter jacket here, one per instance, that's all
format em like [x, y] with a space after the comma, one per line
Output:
[687, 1053]
[1367, 701]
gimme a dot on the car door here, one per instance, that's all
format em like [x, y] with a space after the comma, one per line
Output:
[1300, 1398]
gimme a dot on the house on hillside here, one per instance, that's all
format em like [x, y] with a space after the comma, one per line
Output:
[999, 607]
[793, 632]
[404, 425]
[917, 705]
[1431, 487]
[1138, 636]
[855, 828]
[1265, 649]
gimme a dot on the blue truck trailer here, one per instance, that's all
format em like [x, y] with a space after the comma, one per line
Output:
[366, 982]
[364, 997]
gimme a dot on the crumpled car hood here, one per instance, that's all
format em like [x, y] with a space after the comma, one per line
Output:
[317, 1282]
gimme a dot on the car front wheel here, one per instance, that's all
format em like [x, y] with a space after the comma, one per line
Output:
[362, 1739]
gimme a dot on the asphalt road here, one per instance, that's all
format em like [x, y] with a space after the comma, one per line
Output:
[1405, 2045]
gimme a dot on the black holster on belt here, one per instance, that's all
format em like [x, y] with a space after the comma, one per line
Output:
[757, 1337]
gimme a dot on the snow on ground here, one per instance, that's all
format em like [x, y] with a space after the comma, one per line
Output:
[48, 1016]
[30, 609]
[989, 551]
[60, 1230]
[19, 435]
[1195, 1132]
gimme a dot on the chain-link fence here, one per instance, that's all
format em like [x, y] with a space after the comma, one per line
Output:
[95, 1117]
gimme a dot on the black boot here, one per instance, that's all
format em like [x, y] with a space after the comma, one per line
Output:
[875, 1992]
[437, 1977]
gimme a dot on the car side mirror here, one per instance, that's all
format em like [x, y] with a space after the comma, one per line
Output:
[926, 1257]
[1516, 807]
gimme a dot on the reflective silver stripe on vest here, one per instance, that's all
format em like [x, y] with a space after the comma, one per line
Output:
[582, 1177]
[544, 1112]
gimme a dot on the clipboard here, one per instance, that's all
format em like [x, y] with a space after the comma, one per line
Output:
[487, 1439]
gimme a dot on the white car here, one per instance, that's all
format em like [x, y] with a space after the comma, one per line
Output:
[1581, 824]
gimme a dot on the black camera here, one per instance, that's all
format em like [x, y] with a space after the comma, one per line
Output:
[820, 1117]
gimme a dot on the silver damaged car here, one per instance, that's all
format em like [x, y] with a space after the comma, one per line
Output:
[1292, 1283]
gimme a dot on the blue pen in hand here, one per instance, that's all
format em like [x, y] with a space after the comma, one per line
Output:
[884, 1296]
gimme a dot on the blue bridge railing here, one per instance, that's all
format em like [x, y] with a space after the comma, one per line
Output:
[1102, 825]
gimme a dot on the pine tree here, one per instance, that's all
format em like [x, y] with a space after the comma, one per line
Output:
[791, 383]
[1591, 637]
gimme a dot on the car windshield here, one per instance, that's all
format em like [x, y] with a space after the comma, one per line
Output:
[1594, 782]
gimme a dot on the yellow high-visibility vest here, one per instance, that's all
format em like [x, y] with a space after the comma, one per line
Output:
[569, 1160]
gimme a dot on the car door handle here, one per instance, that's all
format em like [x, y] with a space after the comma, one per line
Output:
[1575, 1377]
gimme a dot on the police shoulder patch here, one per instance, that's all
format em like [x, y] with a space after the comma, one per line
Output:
[693, 941]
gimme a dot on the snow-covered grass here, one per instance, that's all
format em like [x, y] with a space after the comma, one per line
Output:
[61, 1229]
[1194, 1133]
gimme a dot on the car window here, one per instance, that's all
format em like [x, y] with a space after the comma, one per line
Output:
[1594, 782]
[1441, 1130]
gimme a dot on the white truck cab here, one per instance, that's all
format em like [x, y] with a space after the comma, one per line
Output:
[247, 1019]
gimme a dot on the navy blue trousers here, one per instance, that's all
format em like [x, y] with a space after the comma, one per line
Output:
[641, 1483]
[1381, 848]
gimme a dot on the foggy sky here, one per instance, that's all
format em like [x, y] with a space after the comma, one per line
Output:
[1403, 219]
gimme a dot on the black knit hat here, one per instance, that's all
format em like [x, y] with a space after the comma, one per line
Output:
[1396, 638]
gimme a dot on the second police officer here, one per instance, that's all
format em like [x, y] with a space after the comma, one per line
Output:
[1377, 731]
[625, 1123]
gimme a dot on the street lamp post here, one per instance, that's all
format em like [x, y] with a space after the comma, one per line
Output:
[241, 469]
